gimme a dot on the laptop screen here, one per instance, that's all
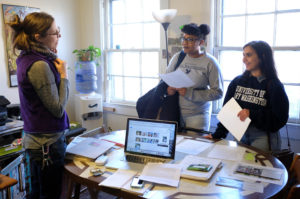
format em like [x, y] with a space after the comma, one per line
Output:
[151, 137]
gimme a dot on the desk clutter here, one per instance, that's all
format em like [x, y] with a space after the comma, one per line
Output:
[196, 160]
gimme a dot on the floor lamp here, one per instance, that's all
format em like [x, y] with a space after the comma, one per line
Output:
[165, 17]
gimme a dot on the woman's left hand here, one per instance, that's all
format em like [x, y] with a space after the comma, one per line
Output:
[243, 114]
[181, 91]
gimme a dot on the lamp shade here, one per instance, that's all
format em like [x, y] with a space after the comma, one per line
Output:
[164, 16]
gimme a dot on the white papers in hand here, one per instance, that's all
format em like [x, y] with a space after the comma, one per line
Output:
[224, 152]
[118, 179]
[228, 117]
[177, 79]
[167, 174]
[192, 147]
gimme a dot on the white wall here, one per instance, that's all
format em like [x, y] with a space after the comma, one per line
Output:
[65, 14]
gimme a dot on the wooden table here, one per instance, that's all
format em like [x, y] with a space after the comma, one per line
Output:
[188, 188]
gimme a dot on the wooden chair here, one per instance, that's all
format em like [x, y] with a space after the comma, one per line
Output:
[5, 184]
[295, 174]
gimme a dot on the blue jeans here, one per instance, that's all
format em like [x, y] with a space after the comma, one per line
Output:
[46, 182]
[259, 139]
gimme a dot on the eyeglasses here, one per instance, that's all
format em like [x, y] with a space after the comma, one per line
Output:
[57, 33]
[189, 40]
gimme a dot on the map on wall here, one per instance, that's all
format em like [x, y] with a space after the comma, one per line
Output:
[8, 12]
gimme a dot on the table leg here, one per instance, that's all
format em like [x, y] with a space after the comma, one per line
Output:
[77, 191]
[93, 193]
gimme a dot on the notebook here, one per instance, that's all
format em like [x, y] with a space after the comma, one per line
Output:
[148, 141]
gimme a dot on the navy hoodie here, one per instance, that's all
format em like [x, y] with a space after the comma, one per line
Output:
[265, 98]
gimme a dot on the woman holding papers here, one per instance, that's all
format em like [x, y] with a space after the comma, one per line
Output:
[43, 91]
[203, 69]
[261, 96]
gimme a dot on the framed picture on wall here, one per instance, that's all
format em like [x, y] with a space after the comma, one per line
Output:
[8, 12]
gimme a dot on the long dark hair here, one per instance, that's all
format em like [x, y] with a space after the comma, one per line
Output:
[265, 55]
[33, 23]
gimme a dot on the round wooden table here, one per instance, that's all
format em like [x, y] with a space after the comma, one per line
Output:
[187, 188]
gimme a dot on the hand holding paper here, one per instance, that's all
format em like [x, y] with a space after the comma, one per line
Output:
[228, 116]
[177, 79]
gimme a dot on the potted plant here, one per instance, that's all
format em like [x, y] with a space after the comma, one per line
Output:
[86, 73]
[88, 54]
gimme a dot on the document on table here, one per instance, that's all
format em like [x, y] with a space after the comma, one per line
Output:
[177, 79]
[118, 179]
[192, 147]
[198, 175]
[240, 184]
[167, 174]
[225, 152]
[228, 117]
[258, 173]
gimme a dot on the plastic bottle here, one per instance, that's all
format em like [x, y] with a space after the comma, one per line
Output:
[86, 76]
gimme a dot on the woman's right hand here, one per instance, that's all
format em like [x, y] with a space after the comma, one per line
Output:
[61, 67]
[171, 90]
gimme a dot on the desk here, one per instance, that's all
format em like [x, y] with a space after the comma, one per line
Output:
[187, 188]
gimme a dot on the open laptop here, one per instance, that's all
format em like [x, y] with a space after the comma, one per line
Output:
[148, 141]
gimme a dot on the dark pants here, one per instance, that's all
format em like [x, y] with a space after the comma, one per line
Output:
[46, 182]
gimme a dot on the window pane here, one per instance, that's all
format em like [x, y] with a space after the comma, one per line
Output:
[118, 14]
[131, 64]
[133, 36]
[233, 31]
[150, 64]
[259, 6]
[234, 7]
[293, 93]
[288, 4]
[287, 33]
[115, 63]
[288, 66]
[148, 84]
[151, 35]
[231, 64]
[261, 28]
[117, 87]
[132, 88]
[118, 40]
[133, 11]
[149, 6]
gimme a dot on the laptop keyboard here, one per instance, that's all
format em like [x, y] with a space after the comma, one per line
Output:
[143, 160]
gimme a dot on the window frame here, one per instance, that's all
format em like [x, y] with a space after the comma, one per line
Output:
[218, 48]
[107, 39]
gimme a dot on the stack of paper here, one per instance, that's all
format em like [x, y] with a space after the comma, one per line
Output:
[198, 175]
[90, 148]
[167, 174]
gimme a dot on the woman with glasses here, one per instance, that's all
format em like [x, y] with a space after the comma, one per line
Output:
[43, 91]
[262, 97]
[203, 69]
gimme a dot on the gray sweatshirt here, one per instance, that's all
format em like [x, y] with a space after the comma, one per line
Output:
[206, 74]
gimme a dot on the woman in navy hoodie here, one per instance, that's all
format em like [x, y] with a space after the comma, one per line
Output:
[262, 97]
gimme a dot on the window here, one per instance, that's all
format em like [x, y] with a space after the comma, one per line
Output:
[132, 50]
[241, 21]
